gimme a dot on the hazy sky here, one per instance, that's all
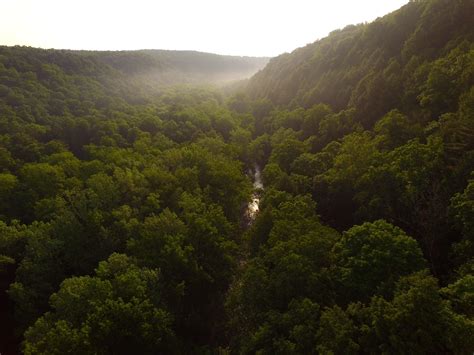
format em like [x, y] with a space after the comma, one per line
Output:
[239, 27]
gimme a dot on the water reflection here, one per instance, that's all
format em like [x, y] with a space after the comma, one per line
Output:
[253, 206]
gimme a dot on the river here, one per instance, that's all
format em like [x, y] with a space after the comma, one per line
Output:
[253, 205]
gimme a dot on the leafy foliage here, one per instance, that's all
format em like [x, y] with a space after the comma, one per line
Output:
[122, 202]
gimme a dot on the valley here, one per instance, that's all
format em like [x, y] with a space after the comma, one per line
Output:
[180, 202]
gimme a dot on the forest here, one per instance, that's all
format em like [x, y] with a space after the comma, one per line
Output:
[125, 179]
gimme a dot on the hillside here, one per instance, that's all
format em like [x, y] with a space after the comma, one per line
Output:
[370, 67]
[369, 129]
[150, 68]
[346, 108]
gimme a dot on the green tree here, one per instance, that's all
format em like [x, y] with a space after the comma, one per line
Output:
[372, 257]
[462, 212]
[117, 311]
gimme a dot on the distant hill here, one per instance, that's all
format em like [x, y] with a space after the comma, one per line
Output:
[169, 67]
[153, 68]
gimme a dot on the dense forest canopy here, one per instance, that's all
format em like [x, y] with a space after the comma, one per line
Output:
[122, 201]
[149, 69]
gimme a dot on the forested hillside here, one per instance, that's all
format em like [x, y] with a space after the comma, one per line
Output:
[369, 131]
[375, 67]
[122, 203]
[149, 69]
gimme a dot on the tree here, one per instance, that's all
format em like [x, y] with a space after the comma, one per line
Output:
[415, 320]
[394, 129]
[462, 213]
[286, 151]
[372, 257]
[274, 305]
[336, 333]
[8, 183]
[119, 310]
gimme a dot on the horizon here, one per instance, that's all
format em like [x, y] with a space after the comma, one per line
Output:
[268, 29]
[139, 50]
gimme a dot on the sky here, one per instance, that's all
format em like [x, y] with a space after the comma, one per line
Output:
[234, 27]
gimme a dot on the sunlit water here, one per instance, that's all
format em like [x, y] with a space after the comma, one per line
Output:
[253, 206]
